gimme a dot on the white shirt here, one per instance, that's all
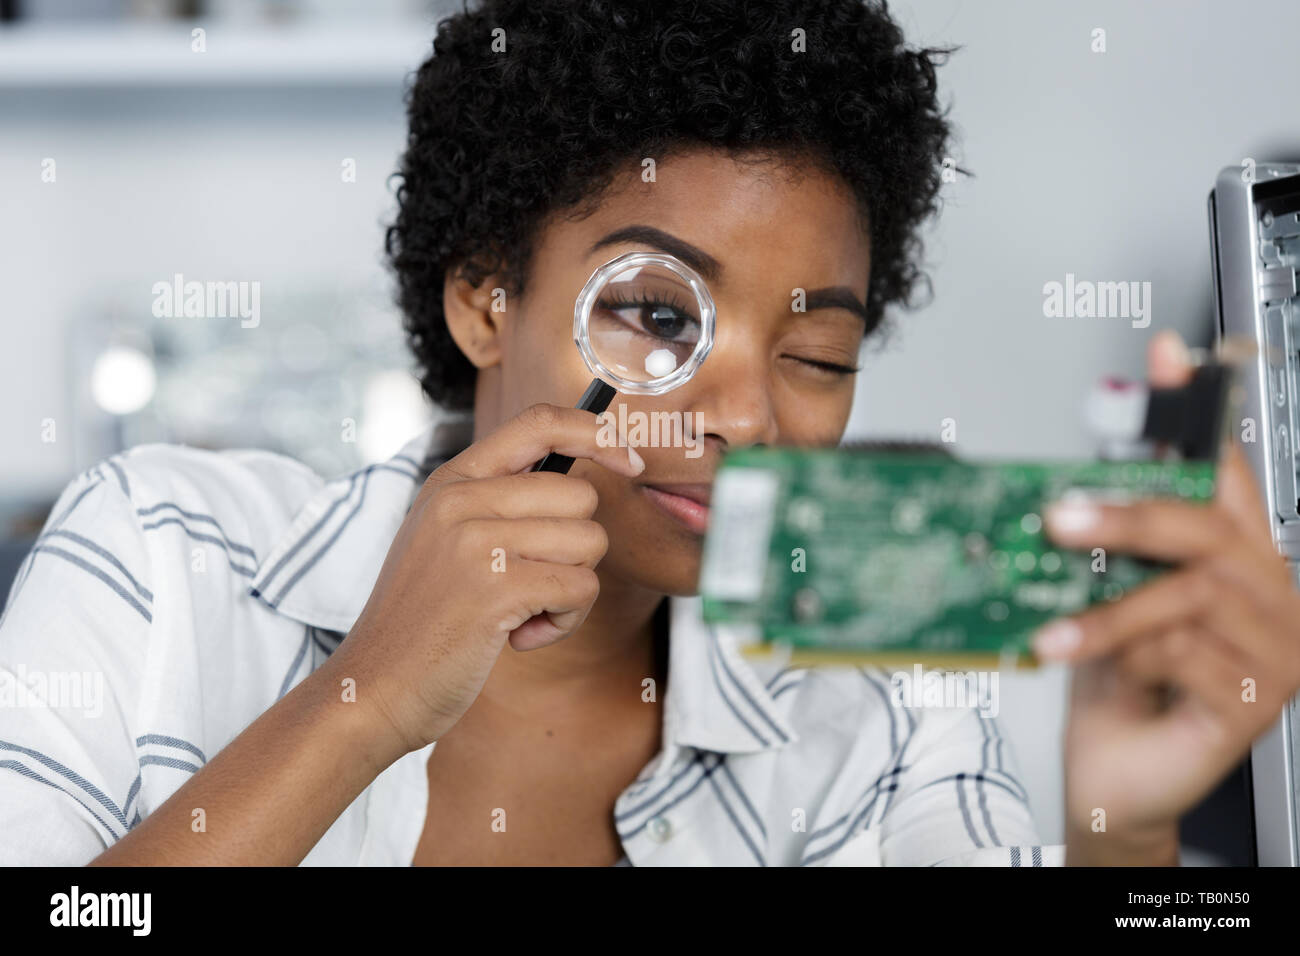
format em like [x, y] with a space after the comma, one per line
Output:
[196, 588]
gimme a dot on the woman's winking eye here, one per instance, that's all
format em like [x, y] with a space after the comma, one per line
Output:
[829, 368]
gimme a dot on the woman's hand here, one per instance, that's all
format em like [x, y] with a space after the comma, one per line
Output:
[1173, 682]
[490, 551]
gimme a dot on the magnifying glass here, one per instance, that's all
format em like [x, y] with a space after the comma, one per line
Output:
[644, 325]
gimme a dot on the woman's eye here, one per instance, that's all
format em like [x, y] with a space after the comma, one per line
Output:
[663, 321]
[659, 319]
[829, 369]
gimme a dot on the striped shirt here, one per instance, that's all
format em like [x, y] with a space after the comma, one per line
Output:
[195, 588]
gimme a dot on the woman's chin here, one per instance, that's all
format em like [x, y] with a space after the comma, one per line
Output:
[673, 569]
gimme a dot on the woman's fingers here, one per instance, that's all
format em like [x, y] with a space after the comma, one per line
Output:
[550, 601]
[1176, 599]
[1108, 628]
[1196, 663]
[1170, 529]
[1169, 364]
[1166, 529]
[542, 539]
[534, 493]
[535, 432]
[1238, 493]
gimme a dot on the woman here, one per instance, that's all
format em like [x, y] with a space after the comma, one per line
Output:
[523, 679]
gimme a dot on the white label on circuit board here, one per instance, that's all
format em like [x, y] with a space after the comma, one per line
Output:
[740, 530]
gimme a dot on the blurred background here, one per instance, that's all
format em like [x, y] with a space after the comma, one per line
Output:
[126, 159]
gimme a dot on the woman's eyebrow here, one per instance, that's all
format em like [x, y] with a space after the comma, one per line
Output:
[696, 258]
[835, 297]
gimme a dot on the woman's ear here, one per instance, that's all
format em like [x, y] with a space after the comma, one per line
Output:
[475, 316]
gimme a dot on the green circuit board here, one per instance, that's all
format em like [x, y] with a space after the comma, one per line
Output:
[843, 556]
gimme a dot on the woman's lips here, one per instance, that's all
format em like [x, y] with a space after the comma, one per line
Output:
[692, 511]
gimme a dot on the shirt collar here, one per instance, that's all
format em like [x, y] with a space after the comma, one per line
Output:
[322, 569]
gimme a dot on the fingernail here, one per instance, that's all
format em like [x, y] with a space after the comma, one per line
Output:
[1072, 515]
[1058, 639]
[635, 459]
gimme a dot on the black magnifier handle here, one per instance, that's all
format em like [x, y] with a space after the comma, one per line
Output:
[595, 400]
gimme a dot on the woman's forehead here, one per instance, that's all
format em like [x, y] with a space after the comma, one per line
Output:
[731, 209]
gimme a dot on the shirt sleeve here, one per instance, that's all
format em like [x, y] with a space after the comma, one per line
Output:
[959, 801]
[74, 644]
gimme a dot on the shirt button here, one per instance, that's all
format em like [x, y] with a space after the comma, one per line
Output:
[660, 829]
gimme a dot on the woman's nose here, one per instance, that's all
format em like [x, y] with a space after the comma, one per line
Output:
[733, 394]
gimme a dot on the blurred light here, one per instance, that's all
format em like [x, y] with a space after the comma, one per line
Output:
[393, 412]
[122, 380]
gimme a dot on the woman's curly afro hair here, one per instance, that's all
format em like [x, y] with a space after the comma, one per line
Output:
[499, 141]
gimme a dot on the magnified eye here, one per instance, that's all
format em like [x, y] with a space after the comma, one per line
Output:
[662, 320]
[644, 320]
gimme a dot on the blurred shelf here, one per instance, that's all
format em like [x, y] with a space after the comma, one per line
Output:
[338, 54]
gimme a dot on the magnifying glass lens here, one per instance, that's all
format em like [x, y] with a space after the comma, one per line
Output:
[645, 323]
